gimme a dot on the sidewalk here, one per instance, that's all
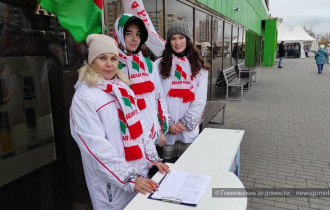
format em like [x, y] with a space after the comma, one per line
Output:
[286, 118]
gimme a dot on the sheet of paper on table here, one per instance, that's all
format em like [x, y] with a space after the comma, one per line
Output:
[182, 187]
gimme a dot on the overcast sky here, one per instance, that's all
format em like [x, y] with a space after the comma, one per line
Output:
[313, 14]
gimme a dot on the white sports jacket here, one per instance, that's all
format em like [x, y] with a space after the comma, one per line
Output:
[95, 127]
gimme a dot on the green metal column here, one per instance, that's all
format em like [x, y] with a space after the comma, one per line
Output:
[250, 52]
[270, 42]
[258, 50]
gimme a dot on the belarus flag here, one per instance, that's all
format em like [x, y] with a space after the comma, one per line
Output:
[80, 17]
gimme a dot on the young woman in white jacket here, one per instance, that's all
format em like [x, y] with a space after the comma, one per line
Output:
[184, 81]
[131, 34]
[106, 124]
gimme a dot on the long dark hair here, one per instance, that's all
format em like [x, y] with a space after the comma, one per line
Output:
[193, 55]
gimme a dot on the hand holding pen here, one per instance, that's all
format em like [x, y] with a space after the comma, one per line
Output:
[145, 185]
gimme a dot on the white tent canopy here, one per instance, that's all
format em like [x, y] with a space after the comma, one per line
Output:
[297, 34]
[284, 34]
[315, 46]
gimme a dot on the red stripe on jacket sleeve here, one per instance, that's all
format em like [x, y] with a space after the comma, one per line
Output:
[105, 105]
[94, 154]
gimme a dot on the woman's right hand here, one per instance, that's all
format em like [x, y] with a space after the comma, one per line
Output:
[145, 185]
[181, 127]
[173, 130]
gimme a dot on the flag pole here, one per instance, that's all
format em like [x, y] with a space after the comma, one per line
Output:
[103, 29]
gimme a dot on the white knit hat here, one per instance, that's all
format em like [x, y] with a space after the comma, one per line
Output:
[99, 44]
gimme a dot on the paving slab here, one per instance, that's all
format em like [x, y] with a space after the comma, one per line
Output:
[286, 118]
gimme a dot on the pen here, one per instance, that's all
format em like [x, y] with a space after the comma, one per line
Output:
[152, 185]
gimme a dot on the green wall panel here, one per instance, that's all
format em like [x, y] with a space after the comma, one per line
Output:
[211, 2]
[270, 45]
[218, 6]
[203, 2]
[224, 8]
[250, 49]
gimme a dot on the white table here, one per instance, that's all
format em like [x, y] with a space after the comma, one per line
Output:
[214, 149]
[218, 180]
[212, 153]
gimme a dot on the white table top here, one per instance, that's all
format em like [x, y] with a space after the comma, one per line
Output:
[218, 180]
[213, 149]
[212, 153]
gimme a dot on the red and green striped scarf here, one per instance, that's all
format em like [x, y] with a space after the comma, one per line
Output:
[129, 117]
[181, 82]
[161, 118]
[138, 67]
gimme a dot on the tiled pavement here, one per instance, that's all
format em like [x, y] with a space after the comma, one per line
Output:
[286, 118]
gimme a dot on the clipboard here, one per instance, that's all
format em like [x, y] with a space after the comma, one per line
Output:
[203, 180]
[170, 199]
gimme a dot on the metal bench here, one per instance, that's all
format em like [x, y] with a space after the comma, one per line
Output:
[212, 108]
[233, 81]
[247, 72]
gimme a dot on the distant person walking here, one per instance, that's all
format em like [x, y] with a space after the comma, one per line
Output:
[281, 52]
[321, 57]
[235, 53]
[306, 51]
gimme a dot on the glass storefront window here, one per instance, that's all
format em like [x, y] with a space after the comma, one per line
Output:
[234, 47]
[218, 85]
[26, 78]
[243, 46]
[154, 9]
[176, 10]
[240, 44]
[203, 38]
[227, 45]
[38, 69]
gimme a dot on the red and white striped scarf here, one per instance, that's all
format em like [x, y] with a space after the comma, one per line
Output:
[129, 117]
[139, 69]
[181, 79]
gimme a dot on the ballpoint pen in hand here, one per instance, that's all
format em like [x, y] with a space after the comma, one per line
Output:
[153, 186]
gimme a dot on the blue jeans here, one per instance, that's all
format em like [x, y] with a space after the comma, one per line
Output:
[320, 67]
[280, 62]
[235, 61]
